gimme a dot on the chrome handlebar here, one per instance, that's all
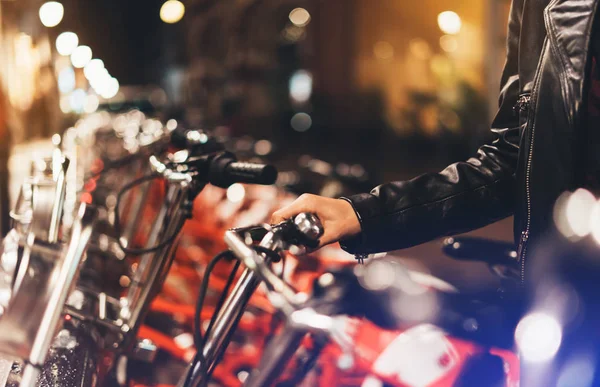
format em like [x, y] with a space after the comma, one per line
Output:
[257, 263]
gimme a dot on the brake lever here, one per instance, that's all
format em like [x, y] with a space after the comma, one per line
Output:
[255, 232]
[301, 232]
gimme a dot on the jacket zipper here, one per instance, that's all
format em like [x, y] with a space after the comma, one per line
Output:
[523, 104]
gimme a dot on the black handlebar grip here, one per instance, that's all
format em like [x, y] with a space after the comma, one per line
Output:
[225, 172]
[252, 173]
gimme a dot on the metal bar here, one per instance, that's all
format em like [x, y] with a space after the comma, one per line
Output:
[59, 197]
[226, 322]
[258, 264]
[235, 302]
[30, 375]
[81, 233]
[102, 306]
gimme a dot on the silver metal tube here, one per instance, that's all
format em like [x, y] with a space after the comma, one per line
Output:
[60, 284]
[224, 325]
[57, 208]
[243, 281]
[256, 262]
[226, 322]
[45, 208]
[82, 230]
[30, 376]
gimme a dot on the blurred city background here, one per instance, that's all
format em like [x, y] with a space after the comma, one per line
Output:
[398, 87]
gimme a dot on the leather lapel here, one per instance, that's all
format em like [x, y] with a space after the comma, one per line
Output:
[569, 28]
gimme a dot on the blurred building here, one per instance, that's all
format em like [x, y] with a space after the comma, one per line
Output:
[27, 79]
[365, 74]
[372, 69]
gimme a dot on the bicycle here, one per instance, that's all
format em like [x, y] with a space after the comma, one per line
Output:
[325, 316]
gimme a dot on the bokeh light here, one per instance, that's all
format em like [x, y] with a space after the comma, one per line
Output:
[171, 124]
[595, 222]
[93, 69]
[299, 17]
[236, 193]
[81, 56]
[301, 84]
[51, 13]
[263, 147]
[573, 214]
[65, 105]
[66, 43]
[579, 371]
[77, 100]
[100, 80]
[448, 43]
[184, 340]
[383, 50]
[172, 11]
[420, 48]
[301, 122]
[538, 336]
[111, 89]
[578, 209]
[66, 80]
[91, 103]
[449, 22]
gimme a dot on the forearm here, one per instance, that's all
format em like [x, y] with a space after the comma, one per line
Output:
[463, 197]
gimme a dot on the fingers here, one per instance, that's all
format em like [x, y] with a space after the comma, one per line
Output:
[304, 203]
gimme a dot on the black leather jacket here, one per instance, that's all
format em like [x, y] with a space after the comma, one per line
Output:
[537, 153]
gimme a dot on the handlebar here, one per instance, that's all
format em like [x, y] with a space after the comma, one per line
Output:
[225, 171]
[304, 229]
[220, 169]
[257, 263]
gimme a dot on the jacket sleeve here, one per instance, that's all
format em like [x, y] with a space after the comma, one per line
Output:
[464, 196]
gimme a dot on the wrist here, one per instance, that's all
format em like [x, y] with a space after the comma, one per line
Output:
[351, 219]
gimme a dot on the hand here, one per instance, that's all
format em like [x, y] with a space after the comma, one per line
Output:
[337, 216]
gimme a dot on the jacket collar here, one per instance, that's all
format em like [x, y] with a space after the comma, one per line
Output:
[569, 29]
